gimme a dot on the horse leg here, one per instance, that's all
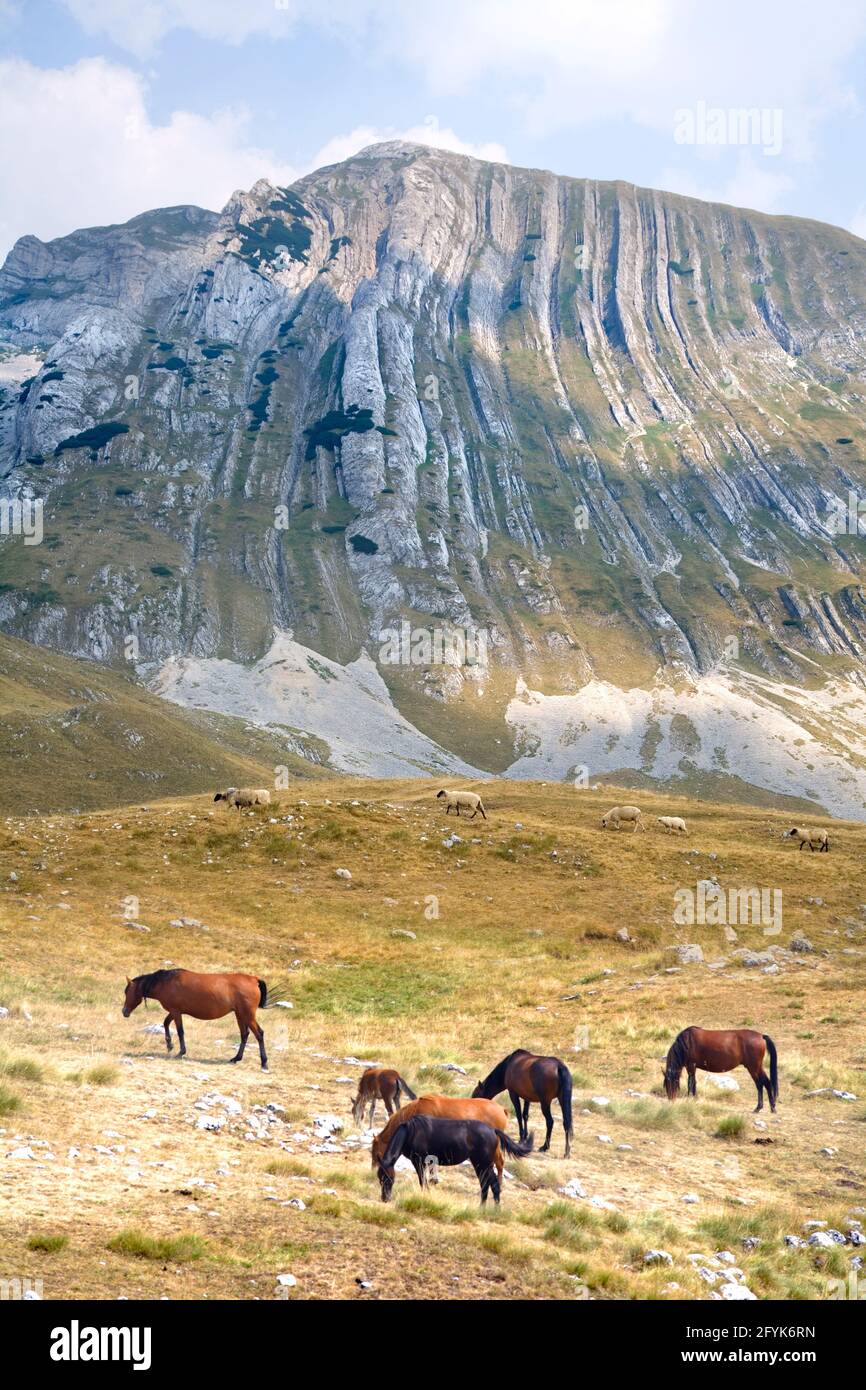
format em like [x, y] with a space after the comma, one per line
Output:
[486, 1175]
[515, 1101]
[692, 1088]
[760, 1081]
[525, 1119]
[496, 1173]
[244, 1028]
[178, 1023]
[260, 1038]
[421, 1169]
[548, 1120]
[372, 1112]
[168, 1041]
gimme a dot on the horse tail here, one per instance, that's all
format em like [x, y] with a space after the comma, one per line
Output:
[516, 1150]
[263, 995]
[406, 1089]
[565, 1084]
[774, 1065]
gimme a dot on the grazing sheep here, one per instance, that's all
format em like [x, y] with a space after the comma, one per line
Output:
[623, 815]
[470, 801]
[245, 796]
[675, 823]
[815, 839]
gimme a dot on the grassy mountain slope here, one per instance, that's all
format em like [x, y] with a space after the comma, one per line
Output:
[75, 734]
[427, 956]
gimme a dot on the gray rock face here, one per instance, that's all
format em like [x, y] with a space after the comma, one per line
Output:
[691, 954]
[584, 417]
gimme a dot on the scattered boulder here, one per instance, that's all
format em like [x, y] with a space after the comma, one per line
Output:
[752, 959]
[658, 1257]
[735, 1293]
[343, 874]
[801, 944]
[720, 1080]
[690, 954]
[574, 1189]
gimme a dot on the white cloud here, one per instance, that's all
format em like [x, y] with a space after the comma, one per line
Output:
[79, 149]
[429, 132]
[749, 185]
[570, 63]
[560, 64]
[140, 25]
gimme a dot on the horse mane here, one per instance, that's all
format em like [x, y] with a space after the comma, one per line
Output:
[498, 1071]
[677, 1050]
[146, 983]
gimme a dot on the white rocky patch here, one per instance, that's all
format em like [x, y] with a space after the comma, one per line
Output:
[296, 691]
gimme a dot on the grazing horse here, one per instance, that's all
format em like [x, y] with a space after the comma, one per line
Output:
[379, 1083]
[528, 1077]
[424, 1139]
[445, 1108]
[202, 996]
[722, 1050]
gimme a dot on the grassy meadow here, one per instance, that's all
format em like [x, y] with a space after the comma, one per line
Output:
[431, 957]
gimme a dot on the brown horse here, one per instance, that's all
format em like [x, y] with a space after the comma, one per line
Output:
[527, 1077]
[202, 996]
[379, 1083]
[443, 1108]
[722, 1050]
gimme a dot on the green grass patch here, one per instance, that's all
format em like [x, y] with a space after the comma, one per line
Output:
[176, 1249]
[51, 1244]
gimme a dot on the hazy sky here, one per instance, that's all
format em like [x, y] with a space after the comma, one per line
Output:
[110, 107]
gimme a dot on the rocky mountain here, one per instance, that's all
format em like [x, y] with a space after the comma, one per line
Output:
[613, 436]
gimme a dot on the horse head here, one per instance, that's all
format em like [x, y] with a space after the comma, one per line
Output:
[133, 996]
[386, 1182]
[671, 1074]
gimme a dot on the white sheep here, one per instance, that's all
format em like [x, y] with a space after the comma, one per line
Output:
[675, 823]
[245, 796]
[470, 801]
[623, 815]
[815, 839]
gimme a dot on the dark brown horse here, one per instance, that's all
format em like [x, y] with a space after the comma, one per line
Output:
[379, 1083]
[527, 1077]
[202, 996]
[427, 1141]
[723, 1049]
[444, 1108]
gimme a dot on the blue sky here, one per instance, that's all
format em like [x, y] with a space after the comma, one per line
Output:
[109, 107]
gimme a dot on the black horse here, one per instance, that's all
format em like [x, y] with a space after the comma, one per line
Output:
[425, 1140]
[527, 1077]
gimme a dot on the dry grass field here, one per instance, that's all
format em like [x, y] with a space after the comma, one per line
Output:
[431, 955]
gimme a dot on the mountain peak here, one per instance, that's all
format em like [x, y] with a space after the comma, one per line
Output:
[598, 428]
